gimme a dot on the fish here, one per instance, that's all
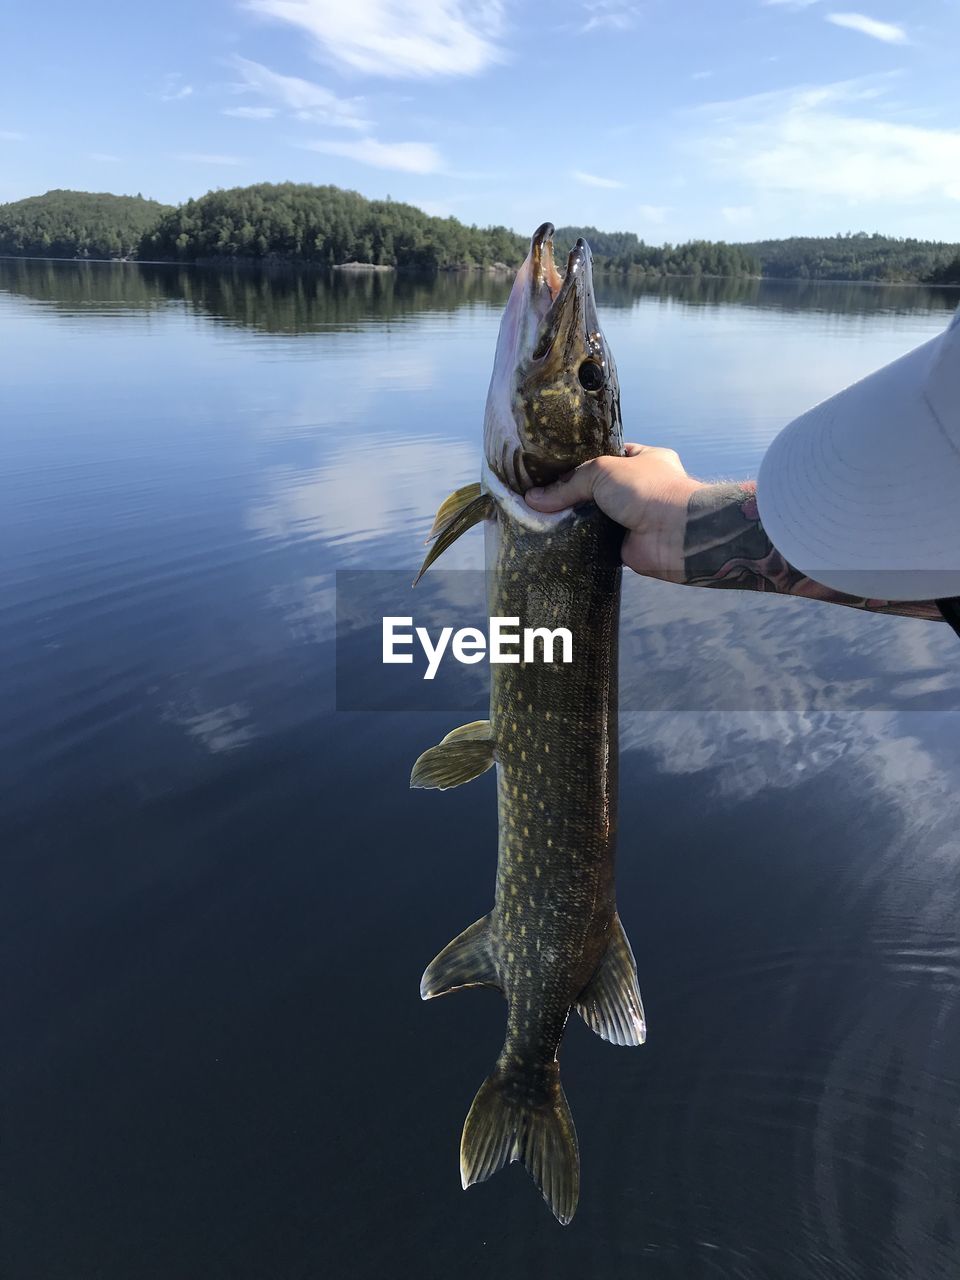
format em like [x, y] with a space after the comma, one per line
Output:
[553, 941]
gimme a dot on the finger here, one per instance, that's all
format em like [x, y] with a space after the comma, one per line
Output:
[572, 489]
[634, 450]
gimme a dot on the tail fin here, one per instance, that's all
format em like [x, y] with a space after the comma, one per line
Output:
[503, 1125]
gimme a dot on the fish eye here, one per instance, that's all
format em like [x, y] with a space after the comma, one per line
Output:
[591, 375]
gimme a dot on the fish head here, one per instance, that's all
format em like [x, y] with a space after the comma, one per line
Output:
[554, 399]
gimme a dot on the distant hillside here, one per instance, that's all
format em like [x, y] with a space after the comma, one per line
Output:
[854, 256]
[328, 226]
[297, 221]
[948, 273]
[76, 224]
[623, 251]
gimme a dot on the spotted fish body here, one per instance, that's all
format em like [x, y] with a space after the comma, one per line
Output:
[553, 940]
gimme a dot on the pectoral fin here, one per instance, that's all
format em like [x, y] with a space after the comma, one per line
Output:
[610, 1004]
[460, 512]
[463, 754]
[467, 961]
[452, 506]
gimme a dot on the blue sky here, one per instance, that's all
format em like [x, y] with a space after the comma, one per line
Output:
[728, 119]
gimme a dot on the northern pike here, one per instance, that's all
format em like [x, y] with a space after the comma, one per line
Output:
[553, 940]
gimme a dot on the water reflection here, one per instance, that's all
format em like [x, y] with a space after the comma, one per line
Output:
[280, 300]
[274, 300]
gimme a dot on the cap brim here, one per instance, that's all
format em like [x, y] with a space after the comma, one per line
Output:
[862, 493]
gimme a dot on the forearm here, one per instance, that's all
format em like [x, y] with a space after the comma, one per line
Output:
[725, 545]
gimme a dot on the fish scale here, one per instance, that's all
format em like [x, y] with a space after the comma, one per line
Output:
[553, 939]
[556, 772]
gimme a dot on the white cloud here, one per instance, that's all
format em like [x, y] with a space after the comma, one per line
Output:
[612, 15]
[736, 215]
[309, 101]
[655, 213]
[11, 135]
[397, 37]
[103, 157]
[888, 32]
[701, 75]
[173, 89]
[407, 157]
[591, 180]
[250, 113]
[194, 157]
[445, 207]
[818, 141]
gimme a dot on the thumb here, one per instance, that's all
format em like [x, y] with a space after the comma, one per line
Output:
[571, 490]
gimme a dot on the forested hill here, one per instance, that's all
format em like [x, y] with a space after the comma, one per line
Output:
[623, 251]
[328, 226]
[324, 225]
[949, 273]
[76, 224]
[858, 256]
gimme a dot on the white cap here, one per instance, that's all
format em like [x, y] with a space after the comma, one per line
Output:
[862, 493]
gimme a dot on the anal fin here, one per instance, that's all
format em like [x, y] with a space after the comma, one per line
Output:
[610, 1004]
[463, 754]
[467, 961]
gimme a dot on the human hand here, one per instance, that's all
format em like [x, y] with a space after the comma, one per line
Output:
[647, 492]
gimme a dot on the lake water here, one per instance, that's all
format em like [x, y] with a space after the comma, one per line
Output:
[218, 894]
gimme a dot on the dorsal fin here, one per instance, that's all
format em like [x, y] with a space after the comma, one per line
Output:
[610, 1003]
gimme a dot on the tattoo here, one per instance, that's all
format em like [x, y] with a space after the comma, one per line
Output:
[725, 545]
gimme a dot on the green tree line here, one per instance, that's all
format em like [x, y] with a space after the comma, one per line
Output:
[77, 224]
[328, 226]
[623, 251]
[948, 272]
[855, 256]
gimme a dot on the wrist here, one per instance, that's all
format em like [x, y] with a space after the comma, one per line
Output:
[657, 549]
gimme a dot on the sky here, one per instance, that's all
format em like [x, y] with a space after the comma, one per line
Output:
[676, 119]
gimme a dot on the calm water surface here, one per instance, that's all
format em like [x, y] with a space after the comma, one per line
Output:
[218, 894]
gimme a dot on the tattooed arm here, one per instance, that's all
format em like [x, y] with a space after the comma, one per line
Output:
[725, 545]
[705, 535]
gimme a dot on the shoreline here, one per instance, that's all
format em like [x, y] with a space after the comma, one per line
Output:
[496, 269]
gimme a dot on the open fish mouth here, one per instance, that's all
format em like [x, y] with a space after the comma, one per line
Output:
[570, 329]
[572, 309]
[543, 269]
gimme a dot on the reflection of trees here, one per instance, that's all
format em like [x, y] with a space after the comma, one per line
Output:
[303, 300]
[92, 285]
[832, 297]
[271, 300]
